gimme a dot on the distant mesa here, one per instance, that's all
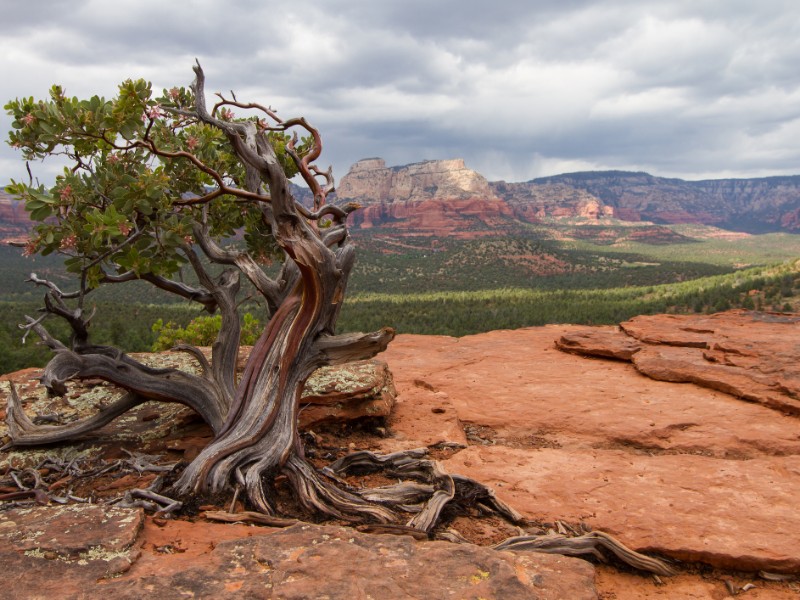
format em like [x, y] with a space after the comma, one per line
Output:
[447, 196]
[434, 197]
[370, 180]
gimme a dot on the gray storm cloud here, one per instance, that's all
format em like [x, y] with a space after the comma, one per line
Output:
[519, 89]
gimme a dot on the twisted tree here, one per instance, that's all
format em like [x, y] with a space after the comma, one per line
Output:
[155, 185]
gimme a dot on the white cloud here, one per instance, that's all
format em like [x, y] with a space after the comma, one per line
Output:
[674, 87]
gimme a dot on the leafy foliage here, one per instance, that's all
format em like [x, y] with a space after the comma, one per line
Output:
[125, 203]
[201, 331]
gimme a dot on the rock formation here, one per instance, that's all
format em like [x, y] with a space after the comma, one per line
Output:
[692, 472]
[302, 561]
[534, 203]
[436, 197]
[370, 181]
[760, 366]
[14, 221]
[348, 392]
[394, 194]
[754, 205]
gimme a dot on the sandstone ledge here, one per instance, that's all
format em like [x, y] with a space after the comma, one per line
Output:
[305, 561]
[679, 469]
[749, 355]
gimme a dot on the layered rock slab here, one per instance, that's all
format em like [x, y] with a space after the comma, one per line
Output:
[356, 390]
[750, 355]
[678, 469]
[61, 551]
[311, 561]
[70, 530]
[692, 508]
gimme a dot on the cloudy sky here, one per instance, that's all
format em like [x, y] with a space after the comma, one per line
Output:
[518, 88]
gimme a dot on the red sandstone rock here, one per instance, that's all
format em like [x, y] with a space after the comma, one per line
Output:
[61, 551]
[673, 468]
[607, 343]
[692, 508]
[70, 530]
[362, 389]
[312, 561]
[458, 217]
[678, 469]
[689, 365]
[750, 355]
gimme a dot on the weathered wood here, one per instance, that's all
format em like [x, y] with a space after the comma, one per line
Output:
[248, 516]
[589, 543]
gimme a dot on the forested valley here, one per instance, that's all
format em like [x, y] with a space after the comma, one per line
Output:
[456, 287]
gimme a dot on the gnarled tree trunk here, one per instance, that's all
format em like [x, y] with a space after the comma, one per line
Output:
[259, 437]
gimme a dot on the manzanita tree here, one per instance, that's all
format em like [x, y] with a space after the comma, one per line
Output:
[157, 184]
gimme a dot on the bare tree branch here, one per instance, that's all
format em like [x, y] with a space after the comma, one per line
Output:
[340, 349]
[267, 287]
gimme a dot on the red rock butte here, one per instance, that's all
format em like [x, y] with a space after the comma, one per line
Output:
[434, 191]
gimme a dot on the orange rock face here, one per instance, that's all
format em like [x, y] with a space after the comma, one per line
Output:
[302, 561]
[468, 217]
[683, 470]
[14, 221]
[749, 355]
[348, 392]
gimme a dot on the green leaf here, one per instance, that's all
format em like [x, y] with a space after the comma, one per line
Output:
[41, 196]
[41, 213]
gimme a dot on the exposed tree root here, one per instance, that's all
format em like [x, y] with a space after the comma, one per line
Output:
[150, 500]
[439, 488]
[248, 516]
[589, 543]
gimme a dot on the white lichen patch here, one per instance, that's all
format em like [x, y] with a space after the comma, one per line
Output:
[84, 400]
[100, 553]
[182, 361]
[124, 516]
[24, 458]
[31, 536]
[127, 428]
[95, 553]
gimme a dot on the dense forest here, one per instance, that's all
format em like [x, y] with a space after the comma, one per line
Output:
[458, 287]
